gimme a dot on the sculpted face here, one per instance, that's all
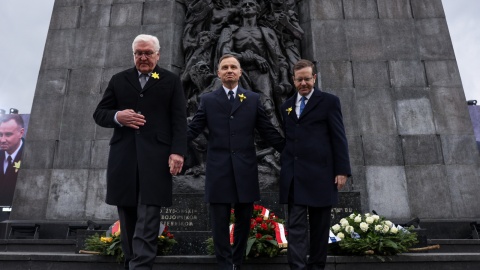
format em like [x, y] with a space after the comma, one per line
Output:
[10, 136]
[304, 80]
[248, 8]
[229, 72]
[145, 57]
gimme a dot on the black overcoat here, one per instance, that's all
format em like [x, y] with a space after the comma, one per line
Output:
[315, 151]
[162, 102]
[231, 167]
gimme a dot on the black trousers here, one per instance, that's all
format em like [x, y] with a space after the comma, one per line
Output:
[229, 255]
[139, 232]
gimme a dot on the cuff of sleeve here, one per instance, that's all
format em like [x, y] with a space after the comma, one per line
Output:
[116, 121]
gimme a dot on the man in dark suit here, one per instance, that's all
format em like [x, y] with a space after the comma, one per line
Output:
[231, 115]
[11, 150]
[146, 149]
[315, 165]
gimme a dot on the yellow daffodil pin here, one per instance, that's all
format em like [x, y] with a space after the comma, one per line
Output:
[16, 165]
[289, 110]
[155, 75]
[242, 97]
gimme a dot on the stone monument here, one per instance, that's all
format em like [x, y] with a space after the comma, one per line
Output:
[390, 62]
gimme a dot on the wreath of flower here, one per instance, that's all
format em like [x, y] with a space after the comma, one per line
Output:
[111, 243]
[267, 236]
[370, 234]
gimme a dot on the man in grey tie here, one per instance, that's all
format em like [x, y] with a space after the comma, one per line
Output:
[315, 165]
[11, 149]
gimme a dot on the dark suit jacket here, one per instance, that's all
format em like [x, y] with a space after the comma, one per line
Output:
[162, 102]
[231, 168]
[8, 179]
[315, 151]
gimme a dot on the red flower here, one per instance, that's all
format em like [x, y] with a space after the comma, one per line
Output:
[264, 226]
[258, 236]
[259, 219]
[269, 237]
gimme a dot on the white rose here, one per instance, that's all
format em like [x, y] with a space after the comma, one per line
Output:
[388, 223]
[369, 220]
[349, 229]
[385, 228]
[367, 214]
[394, 230]
[340, 235]
[358, 219]
[344, 222]
[364, 226]
[378, 228]
[336, 228]
[376, 217]
[352, 216]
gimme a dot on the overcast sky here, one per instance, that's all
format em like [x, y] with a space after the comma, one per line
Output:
[24, 26]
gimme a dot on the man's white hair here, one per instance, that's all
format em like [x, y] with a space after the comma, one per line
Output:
[146, 38]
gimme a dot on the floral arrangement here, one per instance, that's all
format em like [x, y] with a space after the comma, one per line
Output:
[370, 234]
[267, 235]
[111, 243]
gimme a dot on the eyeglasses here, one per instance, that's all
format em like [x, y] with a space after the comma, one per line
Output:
[300, 80]
[148, 54]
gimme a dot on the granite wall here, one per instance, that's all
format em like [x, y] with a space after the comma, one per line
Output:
[391, 62]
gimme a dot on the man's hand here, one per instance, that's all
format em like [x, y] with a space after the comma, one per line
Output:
[340, 180]
[175, 162]
[130, 118]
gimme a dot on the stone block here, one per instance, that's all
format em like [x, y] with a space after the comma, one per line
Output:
[443, 73]
[355, 150]
[119, 52]
[349, 109]
[364, 39]
[422, 150]
[127, 1]
[360, 9]
[414, 116]
[51, 82]
[96, 208]
[107, 74]
[460, 149]
[59, 49]
[325, 41]
[358, 183]
[464, 190]
[371, 74]
[320, 10]
[65, 17]
[382, 150]
[408, 73]
[428, 192]
[77, 118]
[66, 200]
[387, 191]
[85, 81]
[169, 42]
[66, 3]
[103, 133]
[394, 9]
[152, 14]
[399, 41]
[31, 194]
[72, 154]
[336, 74]
[45, 118]
[38, 154]
[450, 111]
[434, 39]
[100, 150]
[90, 47]
[126, 14]
[375, 111]
[95, 15]
[427, 9]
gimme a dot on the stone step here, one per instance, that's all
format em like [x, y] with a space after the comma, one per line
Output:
[417, 261]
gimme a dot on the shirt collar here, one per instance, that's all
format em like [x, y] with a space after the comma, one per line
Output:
[299, 97]
[14, 154]
[234, 90]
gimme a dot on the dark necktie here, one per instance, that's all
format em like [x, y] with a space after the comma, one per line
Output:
[9, 161]
[302, 104]
[143, 79]
[230, 96]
